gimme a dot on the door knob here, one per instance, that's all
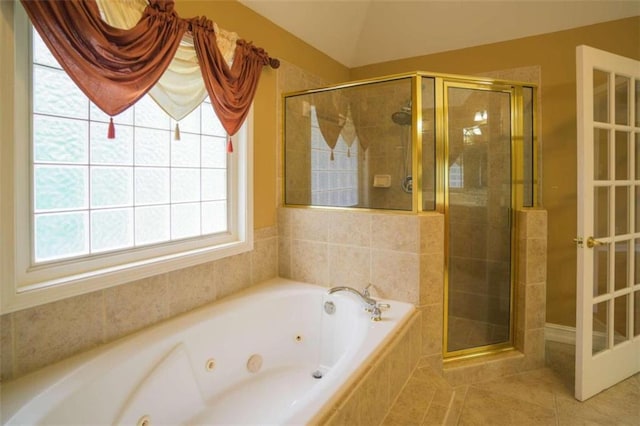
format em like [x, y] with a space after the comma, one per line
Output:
[592, 242]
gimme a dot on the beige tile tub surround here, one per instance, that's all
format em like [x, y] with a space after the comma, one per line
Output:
[402, 256]
[368, 398]
[399, 254]
[33, 338]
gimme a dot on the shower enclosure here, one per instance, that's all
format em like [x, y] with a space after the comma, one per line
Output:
[420, 142]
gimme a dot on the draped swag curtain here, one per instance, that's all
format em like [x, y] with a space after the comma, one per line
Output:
[364, 130]
[349, 131]
[115, 67]
[331, 118]
[181, 88]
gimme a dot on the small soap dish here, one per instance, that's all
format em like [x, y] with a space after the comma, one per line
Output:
[382, 181]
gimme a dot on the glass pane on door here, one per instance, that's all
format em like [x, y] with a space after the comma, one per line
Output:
[479, 208]
[621, 266]
[601, 211]
[600, 154]
[636, 314]
[622, 155]
[622, 100]
[620, 309]
[600, 329]
[600, 96]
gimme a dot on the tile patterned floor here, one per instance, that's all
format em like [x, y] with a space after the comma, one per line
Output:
[537, 397]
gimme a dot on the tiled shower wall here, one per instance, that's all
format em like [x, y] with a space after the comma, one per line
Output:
[35, 337]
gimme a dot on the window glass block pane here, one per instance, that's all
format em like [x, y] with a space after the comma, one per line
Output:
[60, 187]
[125, 117]
[151, 225]
[111, 229]
[151, 186]
[185, 220]
[111, 186]
[55, 93]
[41, 53]
[601, 154]
[214, 152]
[111, 151]
[190, 123]
[185, 185]
[210, 123]
[600, 96]
[152, 147]
[60, 140]
[214, 184]
[61, 235]
[214, 217]
[186, 151]
[623, 109]
[147, 113]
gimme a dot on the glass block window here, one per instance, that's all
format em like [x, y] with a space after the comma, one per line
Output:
[93, 195]
[333, 182]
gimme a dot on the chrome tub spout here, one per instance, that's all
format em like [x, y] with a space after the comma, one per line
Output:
[370, 305]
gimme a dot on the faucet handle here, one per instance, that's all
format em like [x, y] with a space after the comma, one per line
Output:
[384, 306]
[365, 292]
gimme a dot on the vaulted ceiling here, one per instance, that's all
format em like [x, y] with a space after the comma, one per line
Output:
[362, 32]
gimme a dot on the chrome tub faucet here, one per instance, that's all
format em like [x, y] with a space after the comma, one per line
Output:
[370, 305]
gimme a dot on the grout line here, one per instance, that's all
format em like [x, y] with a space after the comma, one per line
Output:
[424, 415]
[449, 406]
[555, 409]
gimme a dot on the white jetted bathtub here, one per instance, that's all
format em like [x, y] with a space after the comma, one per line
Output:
[270, 355]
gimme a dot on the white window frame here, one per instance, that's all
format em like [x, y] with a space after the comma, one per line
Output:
[24, 285]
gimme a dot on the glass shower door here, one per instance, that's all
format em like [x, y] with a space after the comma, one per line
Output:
[478, 217]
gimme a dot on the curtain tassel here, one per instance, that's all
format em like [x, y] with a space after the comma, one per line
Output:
[111, 133]
[348, 152]
[229, 145]
[176, 133]
[331, 157]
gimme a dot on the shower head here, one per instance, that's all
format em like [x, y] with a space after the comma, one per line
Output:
[402, 118]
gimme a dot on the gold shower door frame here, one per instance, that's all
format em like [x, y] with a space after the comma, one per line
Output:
[516, 104]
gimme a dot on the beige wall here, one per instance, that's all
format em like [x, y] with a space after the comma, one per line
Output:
[555, 54]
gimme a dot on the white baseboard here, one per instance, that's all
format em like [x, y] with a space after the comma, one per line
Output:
[560, 333]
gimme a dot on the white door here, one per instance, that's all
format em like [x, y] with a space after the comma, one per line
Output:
[608, 276]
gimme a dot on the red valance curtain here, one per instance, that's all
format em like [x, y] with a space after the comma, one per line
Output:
[116, 67]
[231, 89]
[331, 118]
